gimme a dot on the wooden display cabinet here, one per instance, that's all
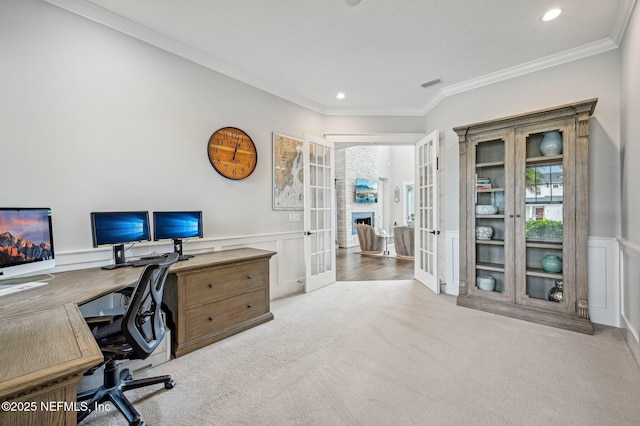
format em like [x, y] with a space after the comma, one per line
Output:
[541, 209]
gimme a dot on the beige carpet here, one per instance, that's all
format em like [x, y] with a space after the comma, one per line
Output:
[393, 353]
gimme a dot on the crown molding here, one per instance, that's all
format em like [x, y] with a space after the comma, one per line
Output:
[383, 112]
[114, 21]
[623, 14]
[550, 61]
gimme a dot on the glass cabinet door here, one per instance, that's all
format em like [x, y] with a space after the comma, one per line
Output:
[541, 213]
[491, 278]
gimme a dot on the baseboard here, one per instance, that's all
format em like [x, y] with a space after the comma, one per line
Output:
[632, 341]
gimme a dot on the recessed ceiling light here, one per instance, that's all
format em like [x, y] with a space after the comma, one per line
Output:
[341, 95]
[552, 14]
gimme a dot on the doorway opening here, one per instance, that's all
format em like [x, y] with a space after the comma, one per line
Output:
[392, 166]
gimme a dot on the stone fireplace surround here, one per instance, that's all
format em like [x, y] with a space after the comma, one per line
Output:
[352, 163]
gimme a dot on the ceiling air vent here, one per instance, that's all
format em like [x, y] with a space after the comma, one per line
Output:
[430, 83]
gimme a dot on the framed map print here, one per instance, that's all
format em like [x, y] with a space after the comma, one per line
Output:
[288, 191]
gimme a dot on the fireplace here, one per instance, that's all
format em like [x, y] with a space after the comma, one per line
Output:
[361, 218]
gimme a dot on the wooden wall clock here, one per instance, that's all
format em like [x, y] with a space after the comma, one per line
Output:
[232, 153]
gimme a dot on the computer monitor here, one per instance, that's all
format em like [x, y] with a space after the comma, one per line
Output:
[177, 226]
[26, 241]
[117, 229]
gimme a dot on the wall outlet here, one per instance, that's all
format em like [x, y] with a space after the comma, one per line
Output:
[295, 217]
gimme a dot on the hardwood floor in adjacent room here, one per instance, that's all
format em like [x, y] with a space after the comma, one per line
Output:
[352, 266]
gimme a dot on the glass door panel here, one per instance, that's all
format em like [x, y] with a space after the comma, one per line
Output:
[544, 220]
[489, 213]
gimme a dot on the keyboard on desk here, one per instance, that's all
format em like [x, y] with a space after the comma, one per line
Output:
[148, 260]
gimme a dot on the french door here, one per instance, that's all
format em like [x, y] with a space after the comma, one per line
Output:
[426, 197]
[319, 213]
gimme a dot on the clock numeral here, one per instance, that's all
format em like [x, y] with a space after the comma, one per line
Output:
[218, 160]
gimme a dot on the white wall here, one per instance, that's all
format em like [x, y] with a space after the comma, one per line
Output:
[93, 120]
[630, 176]
[403, 160]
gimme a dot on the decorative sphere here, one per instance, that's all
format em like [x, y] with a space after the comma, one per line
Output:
[552, 264]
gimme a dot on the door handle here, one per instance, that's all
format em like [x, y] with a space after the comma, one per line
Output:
[309, 233]
[434, 232]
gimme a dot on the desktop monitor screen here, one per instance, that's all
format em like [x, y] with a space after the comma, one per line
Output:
[177, 225]
[113, 228]
[26, 241]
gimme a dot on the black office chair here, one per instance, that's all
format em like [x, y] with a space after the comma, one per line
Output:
[134, 335]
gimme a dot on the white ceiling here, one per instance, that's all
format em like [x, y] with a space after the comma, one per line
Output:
[378, 52]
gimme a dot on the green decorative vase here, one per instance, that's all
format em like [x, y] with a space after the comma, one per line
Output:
[552, 264]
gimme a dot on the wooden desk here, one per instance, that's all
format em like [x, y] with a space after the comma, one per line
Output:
[216, 295]
[46, 346]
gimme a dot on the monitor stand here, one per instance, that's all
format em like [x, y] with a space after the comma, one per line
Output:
[119, 257]
[177, 247]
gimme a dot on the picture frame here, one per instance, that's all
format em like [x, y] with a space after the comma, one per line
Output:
[287, 173]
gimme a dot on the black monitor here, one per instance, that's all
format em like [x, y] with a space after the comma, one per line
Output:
[26, 241]
[177, 226]
[117, 229]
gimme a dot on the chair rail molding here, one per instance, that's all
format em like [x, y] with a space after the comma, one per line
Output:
[286, 267]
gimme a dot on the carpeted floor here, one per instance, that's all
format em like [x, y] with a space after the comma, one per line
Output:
[394, 353]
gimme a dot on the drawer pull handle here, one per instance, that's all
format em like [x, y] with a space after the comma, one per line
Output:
[210, 286]
[210, 318]
[249, 306]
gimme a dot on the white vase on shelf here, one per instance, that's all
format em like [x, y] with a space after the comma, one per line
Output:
[551, 143]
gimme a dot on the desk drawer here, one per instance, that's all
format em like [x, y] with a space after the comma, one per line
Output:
[206, 319]
[211, 285]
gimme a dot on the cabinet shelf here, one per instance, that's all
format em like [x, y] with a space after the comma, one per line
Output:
[489, 216]
[490, 164]
[547, 159]
[536, 272]
[544, 245]
[491, 242]
[485, 266]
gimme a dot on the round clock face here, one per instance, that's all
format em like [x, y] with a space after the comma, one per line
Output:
[232, 153]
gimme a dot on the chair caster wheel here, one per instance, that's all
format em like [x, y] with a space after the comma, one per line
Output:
[170, 384]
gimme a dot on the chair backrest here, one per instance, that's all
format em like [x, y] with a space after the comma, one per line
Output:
[403, 239]
[142, 324]
[369, 240]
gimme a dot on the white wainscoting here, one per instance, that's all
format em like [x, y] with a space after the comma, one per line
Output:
[604, 281]
[286, 267]
[451, 262]
[630, 294]
[604, 276]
